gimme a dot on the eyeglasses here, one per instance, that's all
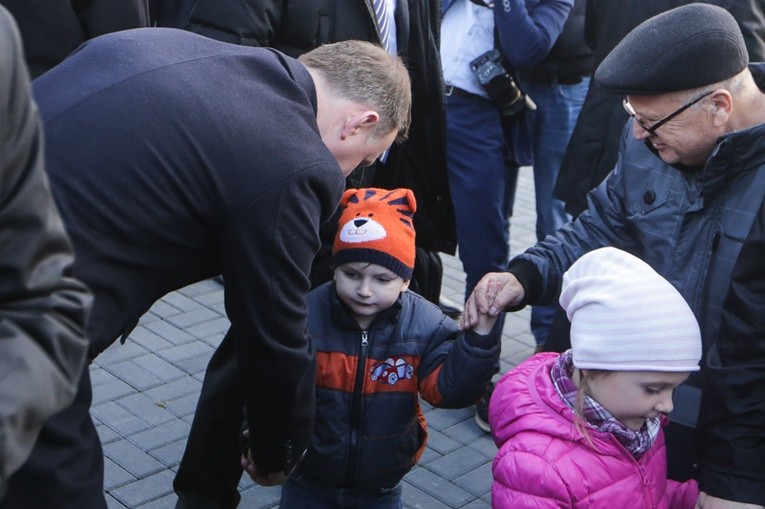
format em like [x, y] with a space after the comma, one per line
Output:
[652, 129]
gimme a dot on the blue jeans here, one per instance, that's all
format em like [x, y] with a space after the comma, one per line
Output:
[481, 187]
[552, 123]
[299, 492]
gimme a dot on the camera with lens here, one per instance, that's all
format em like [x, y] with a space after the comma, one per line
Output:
[499, 83]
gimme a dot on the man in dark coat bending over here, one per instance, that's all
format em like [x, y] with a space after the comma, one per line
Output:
[174, 158]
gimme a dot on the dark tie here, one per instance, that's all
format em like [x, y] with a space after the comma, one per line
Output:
[383, 25]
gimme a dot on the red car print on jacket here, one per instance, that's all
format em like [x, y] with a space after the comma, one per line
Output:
[391, 371]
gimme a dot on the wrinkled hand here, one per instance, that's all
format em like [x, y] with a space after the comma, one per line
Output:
[709, 502]
[485, 321]
[262, 478]
[493, 293]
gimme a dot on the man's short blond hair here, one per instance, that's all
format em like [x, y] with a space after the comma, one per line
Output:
[367, 74]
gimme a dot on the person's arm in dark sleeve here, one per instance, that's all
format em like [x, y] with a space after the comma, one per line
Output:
[245, 22]
[267, 259]
[526, 36]
[43, 308]
[732, 416]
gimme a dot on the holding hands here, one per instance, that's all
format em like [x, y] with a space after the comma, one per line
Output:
[495, 292]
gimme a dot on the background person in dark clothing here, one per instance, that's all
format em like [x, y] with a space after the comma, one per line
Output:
[43, 308]
[52, 29]
[174, 158]
[558, 86]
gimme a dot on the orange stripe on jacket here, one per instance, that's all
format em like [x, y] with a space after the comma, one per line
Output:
[337, 370]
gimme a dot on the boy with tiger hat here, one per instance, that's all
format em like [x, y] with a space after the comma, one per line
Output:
[378, 349]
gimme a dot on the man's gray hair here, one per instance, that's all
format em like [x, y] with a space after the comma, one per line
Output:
[367, 74]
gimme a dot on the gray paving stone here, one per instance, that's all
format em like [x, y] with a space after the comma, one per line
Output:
[170, 455]
[137, 462]
[215, 327]
[118, 352]
[118, 419]
[158, 367]
[185, 406]
[466, 432]
[115, 476]
[436, 487]
[147, 489]
[106, 434]
[111, 503]
[440, 419]
[111, 390]
[135, 375]
[418, 499]
[477, 481]
[158, 436]
[148, 340]
[181, 302]
[457, 463]
[162, 309]
[170, 332]
[441, 443]
[194, 317]
[175, 389]
[186, 351]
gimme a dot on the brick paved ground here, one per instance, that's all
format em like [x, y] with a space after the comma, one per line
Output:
[146, 390]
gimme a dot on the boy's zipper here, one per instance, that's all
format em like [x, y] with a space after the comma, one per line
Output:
[358, 385]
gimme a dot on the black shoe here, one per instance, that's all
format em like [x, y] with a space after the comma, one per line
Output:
[482, 408]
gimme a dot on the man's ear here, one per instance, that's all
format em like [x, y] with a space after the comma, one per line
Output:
[723, 106]
[358, 122]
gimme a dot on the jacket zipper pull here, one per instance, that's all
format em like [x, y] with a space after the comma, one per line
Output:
[364, 339]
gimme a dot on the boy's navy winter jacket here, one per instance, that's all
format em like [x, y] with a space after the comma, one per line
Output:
[369, 427]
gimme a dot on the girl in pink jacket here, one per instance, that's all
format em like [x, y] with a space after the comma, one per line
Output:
[583, 428]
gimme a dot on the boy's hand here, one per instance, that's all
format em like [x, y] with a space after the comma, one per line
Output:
[485, 324]
[262, 478]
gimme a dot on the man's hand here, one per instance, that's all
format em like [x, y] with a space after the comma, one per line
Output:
[493, 293]
[262, 478]
[709, 502]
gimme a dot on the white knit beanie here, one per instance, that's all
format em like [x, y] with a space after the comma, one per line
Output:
[626, 317]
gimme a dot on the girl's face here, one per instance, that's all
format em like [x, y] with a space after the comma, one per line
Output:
[367, 289]
[635, 396]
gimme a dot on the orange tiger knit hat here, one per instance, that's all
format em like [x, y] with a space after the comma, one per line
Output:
[376, 227]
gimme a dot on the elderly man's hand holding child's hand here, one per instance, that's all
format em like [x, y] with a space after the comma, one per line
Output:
[484, 322]
[494, 293]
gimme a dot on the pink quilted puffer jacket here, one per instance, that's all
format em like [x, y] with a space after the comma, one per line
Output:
[544, 461]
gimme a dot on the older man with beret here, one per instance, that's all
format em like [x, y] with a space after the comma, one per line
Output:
[686, 196]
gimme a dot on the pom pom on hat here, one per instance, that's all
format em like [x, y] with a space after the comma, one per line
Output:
[376, 227]
[626, 317]
[680, 49]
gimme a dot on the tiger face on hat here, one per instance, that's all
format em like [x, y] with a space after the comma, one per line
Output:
[376, 227]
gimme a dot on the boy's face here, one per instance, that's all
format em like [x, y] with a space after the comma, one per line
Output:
[367, 289]
[635, 396]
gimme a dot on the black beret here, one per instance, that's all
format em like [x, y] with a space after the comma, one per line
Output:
[680, 49]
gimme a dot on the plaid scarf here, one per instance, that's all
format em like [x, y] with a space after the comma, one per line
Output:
[636, 442]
